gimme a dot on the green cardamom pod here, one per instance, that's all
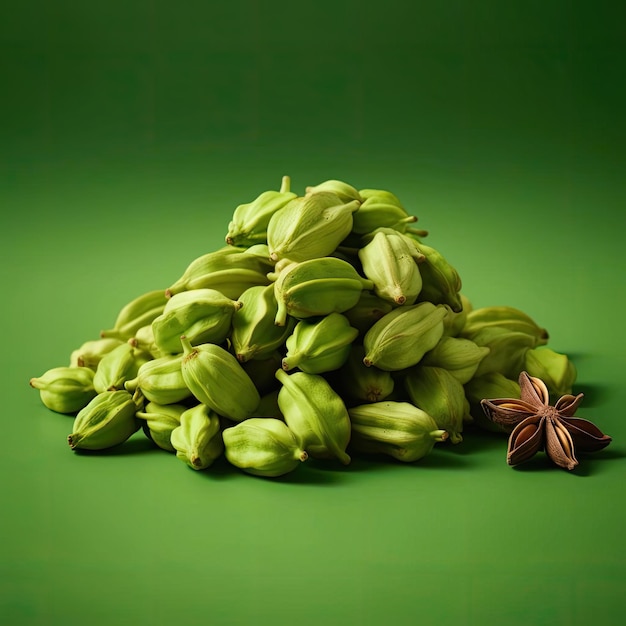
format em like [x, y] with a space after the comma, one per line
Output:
[249, 223]
[159, 420]
[161, 380]
[230, 270]
[437, 392]
[316, 414]
[198, 439]
[400, 338]
[390, 261]
[441, 283]
[137, 313]
[319, 346]
[263, 446]
[66, 389]
[202, 315]
[397, 429]
[309, 227]
[369, 309]
[317, 287]
[461, 357]
[358, 383]
[503, 317]
[91, 352]
[507, 349]
[344, 191]
[380, 211]
[144, 340]
[216, 379]
[254, 334]
[454, 321]
[555, 369]
[108, 420]
[381, 195]
[118, 366]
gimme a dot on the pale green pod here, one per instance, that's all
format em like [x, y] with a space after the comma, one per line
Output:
[118, 366]
[377, 211]
[441, 283]
[391, 263]
[309, 227]
[159, 420]
[401, 337]
[316, 414]
[487, 386]
[108, 420]
[397, 429]
[91, 352]
[161, 380]
[368, 310]
[263, 446]
[358, 383]
[461, 357]
[216, 379]
[65, 389]
[344, 191]
[144, 340]
[507, 349]
[454, 321]
[230, 270]
[507, 317]
[556, 370]
[198, 439]
[381, 195]
[254, 334]
[202, 315]
[137, 313]
[249, 222]
[317, 287]
[441, 395]
[319, 346]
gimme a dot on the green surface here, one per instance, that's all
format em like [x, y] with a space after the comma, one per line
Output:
[129, 135]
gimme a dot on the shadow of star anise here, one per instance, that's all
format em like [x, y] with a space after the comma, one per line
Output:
[535, 425]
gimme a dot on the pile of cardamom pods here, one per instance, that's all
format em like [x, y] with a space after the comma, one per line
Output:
[325, 327]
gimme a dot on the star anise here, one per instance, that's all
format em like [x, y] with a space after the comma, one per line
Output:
[535, 425]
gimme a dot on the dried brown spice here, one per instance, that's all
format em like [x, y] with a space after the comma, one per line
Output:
[536, 425]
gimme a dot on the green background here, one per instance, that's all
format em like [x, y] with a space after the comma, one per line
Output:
[131, 130]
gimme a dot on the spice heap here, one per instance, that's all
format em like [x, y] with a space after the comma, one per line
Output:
[325, 327]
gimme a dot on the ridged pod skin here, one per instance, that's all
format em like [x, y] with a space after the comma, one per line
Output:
[316, 414]
[357, 383]
[309, 227]
[118, 366]
[108, 420]
[216, 378]
[249, 223]
[397, 429]
[161, 380]
[319, 346]
[441, 395]
[382, 210]
[144, 340]
[553, 368]
[254, 334]
[461, 357]
[159, 420]
[507, 350]
[317, 287]
[91, 352]
[343, 190]
[263, 446]
[137, 313]
[401, 337]
[492, 385]
[230, 270]
[198, 440]
[507, 317]
[202, 315]
[65, 389]
[441, 283]
[391, 263]
[368, 310]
